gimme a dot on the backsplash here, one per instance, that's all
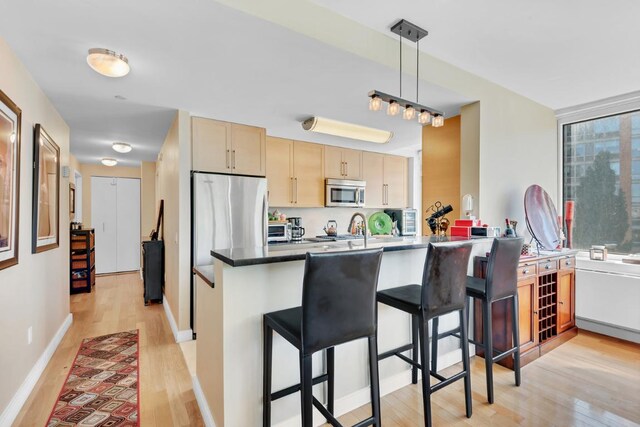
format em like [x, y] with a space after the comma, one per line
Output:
[315, 219]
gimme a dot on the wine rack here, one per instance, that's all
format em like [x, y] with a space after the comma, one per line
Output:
[547, 306]
[83, 258]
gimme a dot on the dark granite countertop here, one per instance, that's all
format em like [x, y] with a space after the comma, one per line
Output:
[205, 272]
[239, 257]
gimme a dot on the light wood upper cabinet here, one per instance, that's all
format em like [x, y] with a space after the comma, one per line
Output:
[295, 173]
[342, 163]
[280, 171]
[372, 173]
[210, 149]
[227, 147]
[386, 178]
[395, 179]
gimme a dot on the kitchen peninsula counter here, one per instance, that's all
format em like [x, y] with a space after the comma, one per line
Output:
[251, 282]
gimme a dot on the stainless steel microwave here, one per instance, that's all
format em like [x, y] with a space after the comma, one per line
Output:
[345, 193]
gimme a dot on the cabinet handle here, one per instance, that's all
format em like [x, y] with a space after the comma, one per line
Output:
[291, 189]
[227, 159]
[346, 169]
[296, 182]
[567, 263]
[562, 302]
[233, 159]
[341, 168]
[535, 312]
[547, 266]
[525, 271]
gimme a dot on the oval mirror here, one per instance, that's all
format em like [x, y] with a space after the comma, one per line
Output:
[541, 217]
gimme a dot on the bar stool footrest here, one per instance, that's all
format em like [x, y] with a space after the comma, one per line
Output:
[395, 351]
[447, 381]
[295, 388]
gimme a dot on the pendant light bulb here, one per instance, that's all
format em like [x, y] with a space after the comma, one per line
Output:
[375, 103]
[393, 108]
[424, 117]
[437, 121]
[409, 113]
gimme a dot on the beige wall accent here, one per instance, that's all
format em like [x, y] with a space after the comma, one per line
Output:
[148, 207]
[470, 153]
[88, 170]
[173, 186]
[441, 167]
[34, 293]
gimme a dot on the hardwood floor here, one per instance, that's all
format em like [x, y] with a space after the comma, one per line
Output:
[116, 304]
[591, 380]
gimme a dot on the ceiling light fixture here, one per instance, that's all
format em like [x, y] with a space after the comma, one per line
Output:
[346, 130]
[413, 33]
[121, 147]
[12, 137]
[108, 63]
[108, 161]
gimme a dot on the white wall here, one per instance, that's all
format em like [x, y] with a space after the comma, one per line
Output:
[36, 291]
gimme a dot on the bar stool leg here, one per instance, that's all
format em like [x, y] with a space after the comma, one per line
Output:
[516, 339]
[306, 389]
[464, 344]
[488, 346]
[375, 381]
[424, 361]
[266, 375]
[331, 380]
[414, 353]
[434, 344]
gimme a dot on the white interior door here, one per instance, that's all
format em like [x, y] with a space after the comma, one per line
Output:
[104, 221]
[128, 229]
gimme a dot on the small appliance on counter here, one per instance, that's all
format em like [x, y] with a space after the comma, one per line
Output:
[297, 230]
[279, 231]
[344, 193]
[406, 220]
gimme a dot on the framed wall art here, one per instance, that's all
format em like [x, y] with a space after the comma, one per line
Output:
[72, 198]
[46, 192]
[10, 117]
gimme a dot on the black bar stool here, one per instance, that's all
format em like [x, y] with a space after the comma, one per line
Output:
[500, 283]
[338, 306]
[442, 292]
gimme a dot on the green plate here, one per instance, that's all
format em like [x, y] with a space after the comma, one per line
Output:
[380, 223]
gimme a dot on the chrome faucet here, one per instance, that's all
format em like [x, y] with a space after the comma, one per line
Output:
[364, 224]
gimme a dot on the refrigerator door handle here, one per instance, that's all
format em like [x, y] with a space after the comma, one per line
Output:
[265, 219]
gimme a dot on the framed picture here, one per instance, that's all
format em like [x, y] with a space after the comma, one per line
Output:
[46, 192]
[72, 198]
[10, 117]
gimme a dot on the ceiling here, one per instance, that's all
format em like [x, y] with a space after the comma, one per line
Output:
[215, 61]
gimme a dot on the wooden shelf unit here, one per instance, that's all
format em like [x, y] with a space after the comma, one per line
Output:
[546, 305]
[82, 259]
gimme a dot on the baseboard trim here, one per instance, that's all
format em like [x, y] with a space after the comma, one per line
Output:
[15, 405]
[180, 336]
[604, 328]
[207, 416]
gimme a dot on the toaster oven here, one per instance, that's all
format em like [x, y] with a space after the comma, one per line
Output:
[279, 232]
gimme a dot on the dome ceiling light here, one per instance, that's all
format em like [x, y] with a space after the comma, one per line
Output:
[108, 63]
[108, 161]
[413, 33]
[121, 147]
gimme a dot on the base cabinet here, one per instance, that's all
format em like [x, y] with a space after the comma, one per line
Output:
[546, 307]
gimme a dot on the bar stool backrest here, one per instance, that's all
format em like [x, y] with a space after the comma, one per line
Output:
[444, 278]
[339, 298]
[502, 268]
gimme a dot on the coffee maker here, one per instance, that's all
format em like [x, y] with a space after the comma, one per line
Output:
[297, 231]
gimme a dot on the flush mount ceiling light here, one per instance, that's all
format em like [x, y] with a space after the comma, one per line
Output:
[108, 161]
[413, 33]
[108, 63]
[121, 147]
[346, 130]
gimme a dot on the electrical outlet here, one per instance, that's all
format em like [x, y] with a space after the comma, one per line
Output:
[29, 334]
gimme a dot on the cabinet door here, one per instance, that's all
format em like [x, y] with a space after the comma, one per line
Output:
[280, 171]
[333, 163]
[395, 178]
[566, 300]
[527, 318]
[308, 175]
[372, 173]
[210, 145]
[247, 150]
[128, 221]
[105, 222]
[352, 163]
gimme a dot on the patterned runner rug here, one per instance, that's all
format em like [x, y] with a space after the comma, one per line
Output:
[102, 387]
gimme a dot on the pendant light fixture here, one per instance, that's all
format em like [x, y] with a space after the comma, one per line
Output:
[108, 161]
[108, 63]
[407, 30]
[121, 147]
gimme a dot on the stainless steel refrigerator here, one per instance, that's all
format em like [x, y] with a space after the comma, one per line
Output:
[227, 211]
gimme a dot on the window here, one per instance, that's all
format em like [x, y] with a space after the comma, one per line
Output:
[601, 171]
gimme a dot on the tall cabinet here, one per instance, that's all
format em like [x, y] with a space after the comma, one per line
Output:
[386, 178]
[115, 216]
